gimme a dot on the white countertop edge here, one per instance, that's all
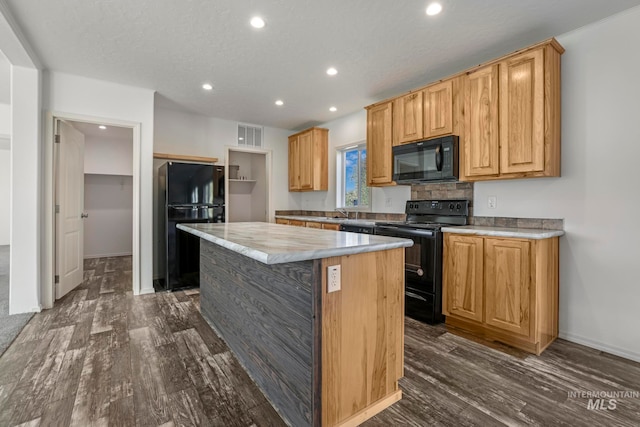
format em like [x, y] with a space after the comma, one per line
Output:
[524, 233]
[298, 256]
[310, 218]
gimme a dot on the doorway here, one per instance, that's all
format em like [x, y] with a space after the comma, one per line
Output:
[248, 185]
[113, 170]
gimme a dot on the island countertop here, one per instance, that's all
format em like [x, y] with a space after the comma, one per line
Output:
[276, 244]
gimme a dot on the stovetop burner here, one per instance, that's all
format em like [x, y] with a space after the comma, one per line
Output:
[433, 214]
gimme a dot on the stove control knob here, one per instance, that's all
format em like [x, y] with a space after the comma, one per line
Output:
[458, 206]
[451, 206]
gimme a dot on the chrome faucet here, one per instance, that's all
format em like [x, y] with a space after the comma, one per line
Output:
[343, 212]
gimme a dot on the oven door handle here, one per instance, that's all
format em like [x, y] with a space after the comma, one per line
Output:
[412, 295]
[403, 232]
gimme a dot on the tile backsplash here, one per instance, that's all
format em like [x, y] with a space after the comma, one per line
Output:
[443, 191]
[539, 223]
[446, 191]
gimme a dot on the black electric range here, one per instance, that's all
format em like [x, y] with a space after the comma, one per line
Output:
[423, 261]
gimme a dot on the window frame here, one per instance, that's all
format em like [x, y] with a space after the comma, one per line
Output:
[341, 179]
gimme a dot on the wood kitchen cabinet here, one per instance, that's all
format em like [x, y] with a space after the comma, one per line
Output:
[309, 224]
[438, 109]
[308, 160]
[481, 139]
[465, 263]
[408, 118]
[379, 143]
[503, 289]
[512, 116]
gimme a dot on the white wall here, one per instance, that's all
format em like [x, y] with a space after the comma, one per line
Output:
[108, 156]
[108, 200]
[5, 119]
[347, 131]
[108, 196]
[24, 286]
[5, 171]
[5, 193]
[89, 97]
[248, 200]
[597, 194]
[191, 134]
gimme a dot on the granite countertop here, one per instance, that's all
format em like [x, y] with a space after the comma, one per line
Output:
[328, 220]
[523, 233]
[276, 244]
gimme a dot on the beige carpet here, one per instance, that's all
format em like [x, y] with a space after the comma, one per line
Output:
[10, 326]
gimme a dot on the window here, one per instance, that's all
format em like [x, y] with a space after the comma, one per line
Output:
[352, 190]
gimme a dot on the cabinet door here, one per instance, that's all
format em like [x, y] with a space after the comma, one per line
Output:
[481, 123]
[312, 224]
[329, 226]
[297, 223]
[282, 221]
[438, 109]
[294, 164]
[407, 120]
[379, 142]
[507, 285]
[305, 160]
[463, 276]
[522, 113]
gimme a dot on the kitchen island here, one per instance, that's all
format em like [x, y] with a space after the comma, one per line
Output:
[321, 358]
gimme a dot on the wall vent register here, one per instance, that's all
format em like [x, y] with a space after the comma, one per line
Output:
[250, 136]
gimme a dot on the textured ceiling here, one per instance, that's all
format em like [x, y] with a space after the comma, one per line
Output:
[380, 47]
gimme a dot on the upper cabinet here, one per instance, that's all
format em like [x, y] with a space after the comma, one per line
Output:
[379, 143]
[308, 160]
[408, 118]
[438, 109]
[512, 117]
[506, 113]
[480, 140]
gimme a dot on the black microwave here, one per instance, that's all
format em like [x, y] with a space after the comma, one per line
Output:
[430, 160]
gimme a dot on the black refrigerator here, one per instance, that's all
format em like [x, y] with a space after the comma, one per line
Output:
[192, 193]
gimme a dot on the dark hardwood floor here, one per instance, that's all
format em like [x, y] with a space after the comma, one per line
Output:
[103, 357]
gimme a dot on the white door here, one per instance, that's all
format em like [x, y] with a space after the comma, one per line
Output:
[70, 199]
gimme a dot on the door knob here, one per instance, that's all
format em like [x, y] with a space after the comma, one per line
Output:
[84, 215]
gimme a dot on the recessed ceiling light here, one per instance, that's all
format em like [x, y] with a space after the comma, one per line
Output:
[332, 71]
[207, 86]
[241, 139]
[279, 103]
[103, 127]
[257, 22]
[333, 109]
[434, 9]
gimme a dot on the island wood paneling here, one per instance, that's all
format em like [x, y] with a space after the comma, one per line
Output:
[362, 337]
[265, 313]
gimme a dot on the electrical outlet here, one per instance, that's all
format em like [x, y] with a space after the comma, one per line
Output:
[387, 202]
[492, 202]
[333, 278]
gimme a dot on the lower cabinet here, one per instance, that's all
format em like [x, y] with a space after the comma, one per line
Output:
[309, 224]
[504, 289]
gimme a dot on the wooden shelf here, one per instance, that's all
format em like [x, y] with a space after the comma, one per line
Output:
[180, 157]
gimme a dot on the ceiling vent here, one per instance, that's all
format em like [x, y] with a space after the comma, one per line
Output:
[249, 136]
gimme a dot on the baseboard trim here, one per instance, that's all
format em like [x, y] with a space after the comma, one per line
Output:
[617, 351]
[108, 255]
[147, 291]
